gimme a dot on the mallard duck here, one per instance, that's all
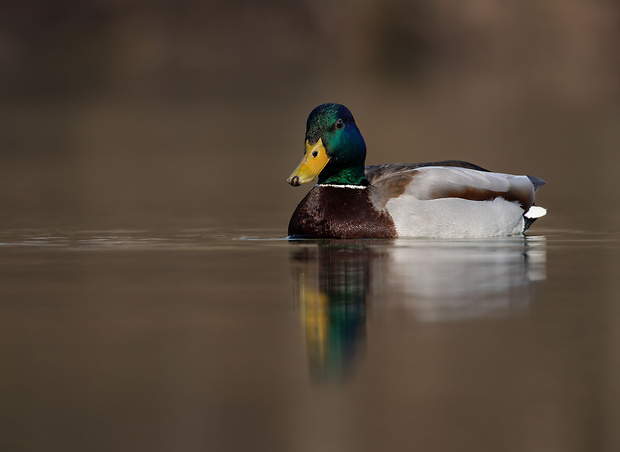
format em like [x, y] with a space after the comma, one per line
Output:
[449, 199]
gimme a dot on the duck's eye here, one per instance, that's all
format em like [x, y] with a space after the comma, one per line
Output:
[339, 124]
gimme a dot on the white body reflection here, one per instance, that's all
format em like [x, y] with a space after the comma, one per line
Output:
[459, 280]
[426, 280]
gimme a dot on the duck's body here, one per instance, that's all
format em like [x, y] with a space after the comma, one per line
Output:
[448, 199]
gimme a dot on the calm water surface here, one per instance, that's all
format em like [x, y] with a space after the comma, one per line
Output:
[207, 339]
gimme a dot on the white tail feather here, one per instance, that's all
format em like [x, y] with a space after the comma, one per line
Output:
[536, 212]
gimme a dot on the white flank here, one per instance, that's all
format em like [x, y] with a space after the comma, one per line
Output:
[455, 217]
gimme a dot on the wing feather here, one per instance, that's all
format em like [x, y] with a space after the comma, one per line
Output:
[436, 182]
[376, 173]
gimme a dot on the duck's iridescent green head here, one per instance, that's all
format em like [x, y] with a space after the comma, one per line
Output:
[335, 150]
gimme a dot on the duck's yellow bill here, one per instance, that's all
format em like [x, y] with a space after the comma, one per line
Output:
[315, 159]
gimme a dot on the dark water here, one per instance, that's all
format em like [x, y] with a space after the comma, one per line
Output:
[207, 339]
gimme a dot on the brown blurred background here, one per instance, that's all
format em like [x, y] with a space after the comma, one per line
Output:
[134, 113]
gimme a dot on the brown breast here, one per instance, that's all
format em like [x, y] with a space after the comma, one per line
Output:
[347, 213]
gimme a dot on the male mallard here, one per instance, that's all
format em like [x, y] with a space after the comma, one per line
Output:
[442, 199]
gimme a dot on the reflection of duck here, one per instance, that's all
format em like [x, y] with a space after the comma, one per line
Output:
[423, 280]
[332, 283]
[442, 199]
[447, 281]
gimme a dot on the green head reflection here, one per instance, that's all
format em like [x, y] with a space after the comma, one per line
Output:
[331, 283]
